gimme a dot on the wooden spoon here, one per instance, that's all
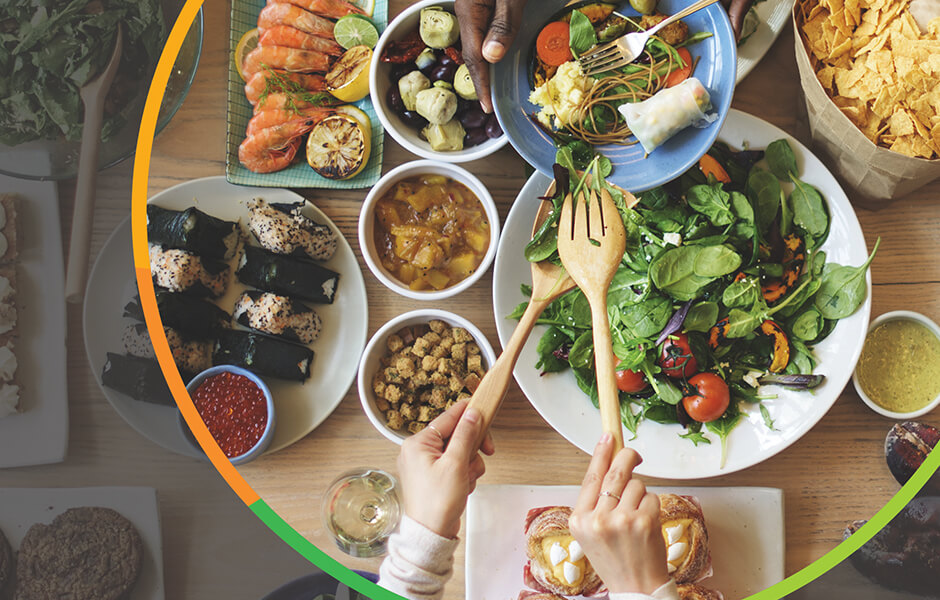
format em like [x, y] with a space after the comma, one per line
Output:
[93, 95]
[549, 281]
[591, 243]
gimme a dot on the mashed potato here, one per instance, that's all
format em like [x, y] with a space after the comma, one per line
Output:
[561, 94]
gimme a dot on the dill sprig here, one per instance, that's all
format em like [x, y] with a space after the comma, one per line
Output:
[275, 82]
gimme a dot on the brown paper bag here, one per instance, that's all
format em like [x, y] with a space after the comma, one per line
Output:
[872, 171]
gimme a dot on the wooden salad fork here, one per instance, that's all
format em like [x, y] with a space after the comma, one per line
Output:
[591, 243]
[549, 281]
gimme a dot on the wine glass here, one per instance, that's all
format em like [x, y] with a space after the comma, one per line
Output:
[361, 509]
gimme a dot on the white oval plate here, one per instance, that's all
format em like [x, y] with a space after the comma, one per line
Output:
[300, 407]
[556, 395]
[773, 15]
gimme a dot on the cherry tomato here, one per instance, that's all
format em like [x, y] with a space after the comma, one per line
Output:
[630, 381]
[710, 400]
[676, 358]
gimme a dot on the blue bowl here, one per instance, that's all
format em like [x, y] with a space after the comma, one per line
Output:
[266, 437]
[716, 70]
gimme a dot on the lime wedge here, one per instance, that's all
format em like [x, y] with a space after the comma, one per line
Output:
[354, 30]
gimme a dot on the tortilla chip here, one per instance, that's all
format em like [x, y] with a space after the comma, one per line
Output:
[900, 123]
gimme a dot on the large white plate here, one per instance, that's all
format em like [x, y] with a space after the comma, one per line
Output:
[24, 507]
[300, 407]
[774, 15]
[39, 433]
[745, 536]
[557, 398]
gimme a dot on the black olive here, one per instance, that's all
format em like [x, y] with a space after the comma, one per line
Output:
[413, 119]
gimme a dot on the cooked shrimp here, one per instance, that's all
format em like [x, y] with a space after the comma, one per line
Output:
[281, 100]
[274, 148]
[333, 9]
[255, 87]
[285, 35]
[288, 59]
[275, 14]
[272, 118]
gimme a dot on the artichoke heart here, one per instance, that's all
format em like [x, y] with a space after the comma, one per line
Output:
[436, 104]
[445, 138]
[463, 83]
[439, 28]
[410, 85]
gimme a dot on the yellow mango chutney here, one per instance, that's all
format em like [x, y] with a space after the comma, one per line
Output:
[900, 366]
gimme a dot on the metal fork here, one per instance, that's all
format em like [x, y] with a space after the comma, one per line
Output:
[625, 49]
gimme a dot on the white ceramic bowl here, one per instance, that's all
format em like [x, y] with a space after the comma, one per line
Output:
[379, 83]
[266, 436]
[376, 350]
[367, 222]
[893, 316]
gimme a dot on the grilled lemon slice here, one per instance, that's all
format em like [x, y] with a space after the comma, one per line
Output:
[348, 80]
[339, 145]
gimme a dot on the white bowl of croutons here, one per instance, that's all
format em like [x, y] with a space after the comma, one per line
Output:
[416, 366]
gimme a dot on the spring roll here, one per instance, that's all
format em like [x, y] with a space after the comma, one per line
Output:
[666, 113]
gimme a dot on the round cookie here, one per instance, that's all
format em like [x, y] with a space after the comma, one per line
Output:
[6, 563]
[84, 554]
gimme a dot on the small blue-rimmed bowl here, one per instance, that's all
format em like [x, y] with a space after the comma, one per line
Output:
[266, 437]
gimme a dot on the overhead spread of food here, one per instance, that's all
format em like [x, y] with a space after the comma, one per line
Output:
[724, 290]
[55, 52]
[880, 67]
[431, 90]
[650, 99]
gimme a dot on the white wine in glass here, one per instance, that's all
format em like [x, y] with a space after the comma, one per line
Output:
[362, 509]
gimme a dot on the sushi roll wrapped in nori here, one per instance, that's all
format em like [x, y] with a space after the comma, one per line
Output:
[190, 356]
[263, 355]
[194, 231]
[277, 315]
[287, 276]
[139, 378]
[283, 229]
[181, 271]
[194, 318]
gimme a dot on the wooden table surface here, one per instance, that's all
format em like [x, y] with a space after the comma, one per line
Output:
[834, 474]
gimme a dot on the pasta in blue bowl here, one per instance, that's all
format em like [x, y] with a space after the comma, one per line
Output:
[544, 101]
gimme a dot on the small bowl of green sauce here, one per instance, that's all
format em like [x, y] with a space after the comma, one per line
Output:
[898, 374]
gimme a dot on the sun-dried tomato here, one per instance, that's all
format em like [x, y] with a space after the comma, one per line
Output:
[454, 54]
[403, 51]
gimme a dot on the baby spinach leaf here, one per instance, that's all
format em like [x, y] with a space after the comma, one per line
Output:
[647, 318]
[551, 340]
[712, 201]
[843, 288]
[673, 272]
[517, 312]
[629, 418]
[581, 33]
[800, 297]
[742, 322]
[669, 393]
[653, 199]
[582, 351]
[780, 159]
[660, 412]
[741, 293]
[702, 316]
[716, 261]
[587, 383]
[809, 209]
[723, 427]
[807, 325]
[764, 191]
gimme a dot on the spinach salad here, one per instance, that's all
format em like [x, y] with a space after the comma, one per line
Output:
[723, 288]
[49, 50]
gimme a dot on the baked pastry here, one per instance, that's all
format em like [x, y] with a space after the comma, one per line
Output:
[694, 591]
[84, 554]
[557, 564]
[685, 537]
[6, 563]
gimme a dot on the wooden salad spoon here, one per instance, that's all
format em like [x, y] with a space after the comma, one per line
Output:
[591, 243]
[549, 281]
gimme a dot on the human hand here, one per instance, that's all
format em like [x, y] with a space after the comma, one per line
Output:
[622, 537]
[487, 28]
[439, 467]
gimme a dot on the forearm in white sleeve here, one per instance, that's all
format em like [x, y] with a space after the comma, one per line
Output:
[666, 591]
[419, 562]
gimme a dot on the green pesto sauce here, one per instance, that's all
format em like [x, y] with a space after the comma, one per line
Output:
[900, 366]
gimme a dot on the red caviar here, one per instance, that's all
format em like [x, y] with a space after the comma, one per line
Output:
[234, 409]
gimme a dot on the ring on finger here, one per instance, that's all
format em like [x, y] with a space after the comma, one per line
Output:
[610, 495]
[436, 430]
